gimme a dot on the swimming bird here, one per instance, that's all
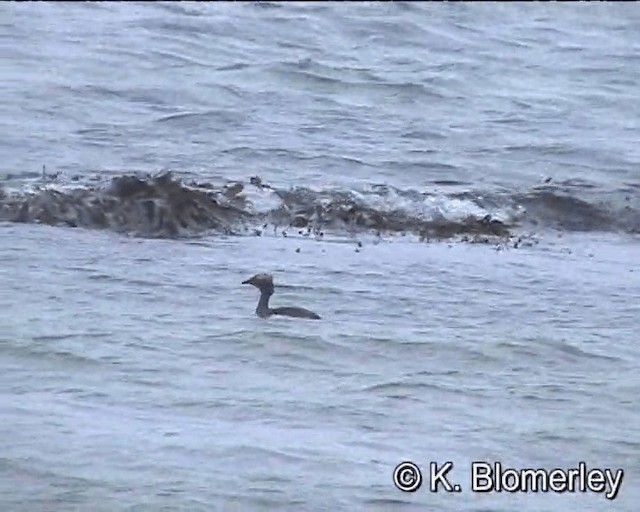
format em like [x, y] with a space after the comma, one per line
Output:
[264, 283]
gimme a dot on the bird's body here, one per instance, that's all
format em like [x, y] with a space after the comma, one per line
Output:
[264, 283]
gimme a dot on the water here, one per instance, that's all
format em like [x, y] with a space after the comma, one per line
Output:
[134, 374]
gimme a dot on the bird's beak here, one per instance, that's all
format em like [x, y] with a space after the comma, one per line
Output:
[248, 281]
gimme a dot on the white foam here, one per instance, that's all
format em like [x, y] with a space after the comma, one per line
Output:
[262, 200]
[427, 207]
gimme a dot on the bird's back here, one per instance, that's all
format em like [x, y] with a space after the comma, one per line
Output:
[295, 312]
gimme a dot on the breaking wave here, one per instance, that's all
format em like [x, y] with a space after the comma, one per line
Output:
[168, 207]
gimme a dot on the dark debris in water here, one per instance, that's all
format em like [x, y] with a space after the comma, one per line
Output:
[159, 206]
[165, 207]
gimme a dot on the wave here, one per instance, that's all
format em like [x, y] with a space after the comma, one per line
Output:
[164, 206]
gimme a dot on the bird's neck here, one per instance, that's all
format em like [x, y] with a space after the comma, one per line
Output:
[263, 304]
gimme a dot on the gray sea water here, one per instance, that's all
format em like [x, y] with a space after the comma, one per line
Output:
[134, 374]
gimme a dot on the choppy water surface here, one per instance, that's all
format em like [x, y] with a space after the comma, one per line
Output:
[381, 139]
